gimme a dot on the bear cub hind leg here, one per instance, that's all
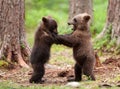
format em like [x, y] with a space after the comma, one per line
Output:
[77, 72]
[38, 73]
[88, 71]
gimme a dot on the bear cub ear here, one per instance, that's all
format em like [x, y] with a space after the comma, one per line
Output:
[86, 18]
[44, 19]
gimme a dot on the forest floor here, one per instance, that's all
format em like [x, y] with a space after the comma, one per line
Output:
[107, 75]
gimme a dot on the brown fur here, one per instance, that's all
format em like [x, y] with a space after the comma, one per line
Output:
[80, 41]
[41, 48]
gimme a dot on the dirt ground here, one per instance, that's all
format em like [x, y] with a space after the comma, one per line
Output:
[106, 75]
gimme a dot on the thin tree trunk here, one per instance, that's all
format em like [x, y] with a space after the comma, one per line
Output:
[113, 21]
[80, 6]
[13, 46]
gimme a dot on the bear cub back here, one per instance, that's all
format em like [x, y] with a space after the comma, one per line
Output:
[43, 40]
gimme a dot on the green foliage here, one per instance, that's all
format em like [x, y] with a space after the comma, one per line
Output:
[22, 45]
[51, 5]
[117, 50]
[36, 9]
[105, 41]
[99, 44]
[112, 43]
[3, 63]
[58, 9]
[100, 10]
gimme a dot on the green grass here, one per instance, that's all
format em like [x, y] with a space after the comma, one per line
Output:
[12, 85]
[83, 85]
[60, 55]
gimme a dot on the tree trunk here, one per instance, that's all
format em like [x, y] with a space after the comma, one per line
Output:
[116, 21]
[13, 45]
[80, 6]
[113, 21]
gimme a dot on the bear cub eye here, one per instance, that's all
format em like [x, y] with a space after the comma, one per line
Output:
[75, 20]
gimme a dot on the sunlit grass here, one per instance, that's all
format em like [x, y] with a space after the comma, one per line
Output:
[83, 85]
[60, 55]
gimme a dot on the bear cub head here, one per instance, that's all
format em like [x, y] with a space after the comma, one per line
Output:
[50, 24]
[80, 21]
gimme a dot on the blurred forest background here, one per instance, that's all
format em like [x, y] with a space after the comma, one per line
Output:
[59, 9]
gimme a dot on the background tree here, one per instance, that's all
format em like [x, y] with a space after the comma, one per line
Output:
[113, 21]
[80, 6]
[13, 46]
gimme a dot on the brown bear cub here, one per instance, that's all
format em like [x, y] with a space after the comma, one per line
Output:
[80, 41]
[41, 49]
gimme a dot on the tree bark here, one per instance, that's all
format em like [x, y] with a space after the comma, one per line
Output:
[116, 21]
[113, 21]
[13, 45]
[80, 6]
